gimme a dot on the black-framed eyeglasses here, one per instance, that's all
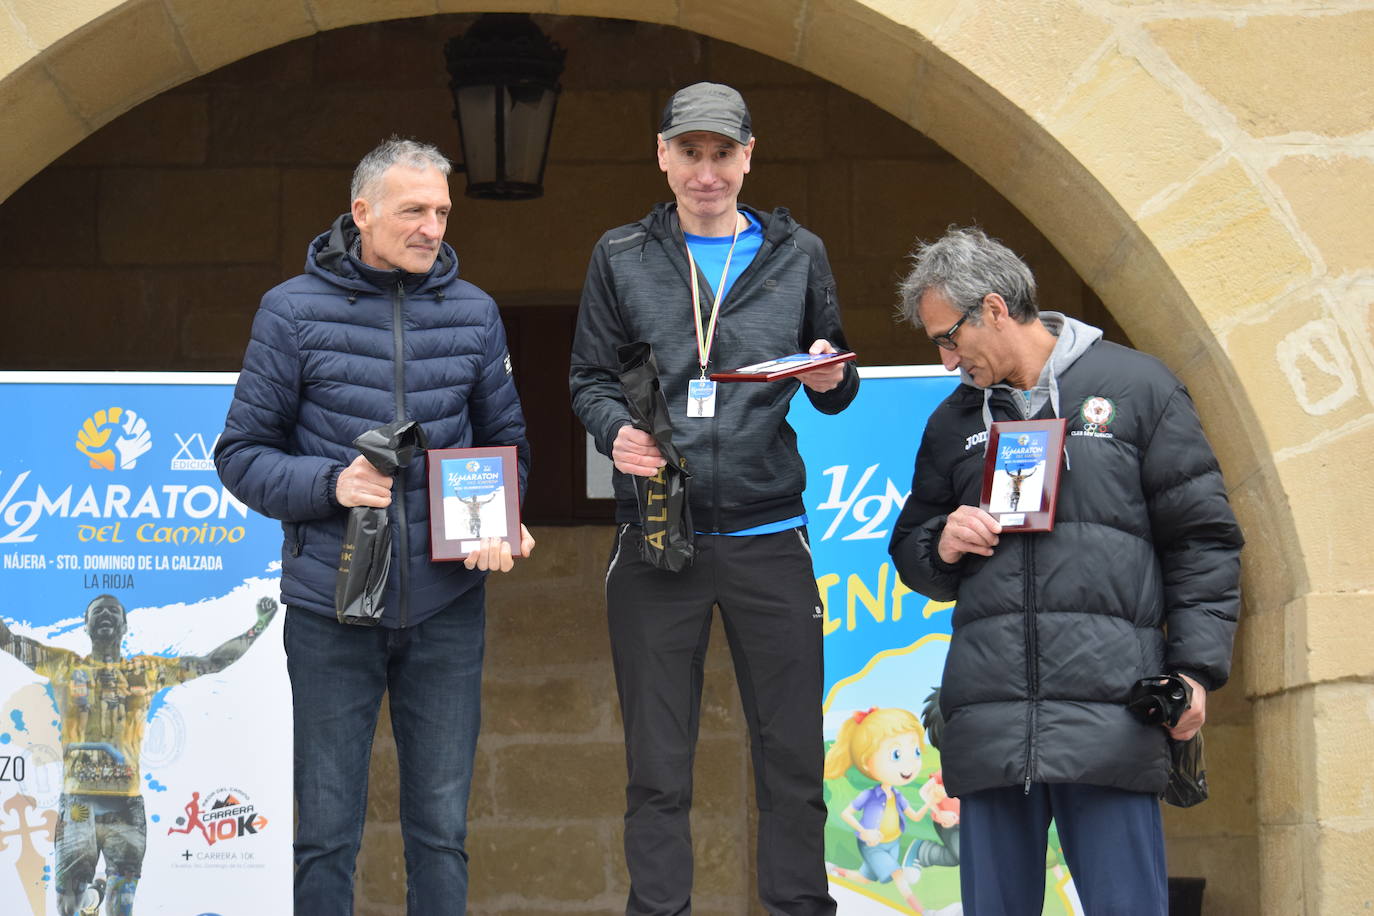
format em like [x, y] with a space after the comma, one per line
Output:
[946, 341]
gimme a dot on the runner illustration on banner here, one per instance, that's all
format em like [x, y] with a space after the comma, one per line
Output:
[102, 701]
[885, 746]
[134, 595]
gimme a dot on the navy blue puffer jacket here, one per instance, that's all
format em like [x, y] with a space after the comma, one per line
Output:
[342, 349]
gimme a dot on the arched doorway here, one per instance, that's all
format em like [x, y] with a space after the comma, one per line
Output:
[1146, 173]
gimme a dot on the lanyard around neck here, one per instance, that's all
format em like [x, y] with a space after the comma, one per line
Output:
[706, 337]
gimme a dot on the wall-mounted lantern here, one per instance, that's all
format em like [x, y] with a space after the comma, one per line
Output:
[504, 76]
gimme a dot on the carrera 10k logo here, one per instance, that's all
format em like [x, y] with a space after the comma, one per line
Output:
[228, 815]
[93, 439]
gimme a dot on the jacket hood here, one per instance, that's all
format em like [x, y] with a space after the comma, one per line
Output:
[663, 223]
[1073, 338]
[332, 256]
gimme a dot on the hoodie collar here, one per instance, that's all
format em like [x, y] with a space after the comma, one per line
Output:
[663, 223]
[1073, 338]
[335, 256]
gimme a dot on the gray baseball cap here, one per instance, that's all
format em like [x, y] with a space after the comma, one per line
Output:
[707, 106]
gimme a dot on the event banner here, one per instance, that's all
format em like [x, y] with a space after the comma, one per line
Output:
[145, 713]
[885, 649]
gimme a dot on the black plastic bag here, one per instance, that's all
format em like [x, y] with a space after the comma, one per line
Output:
[1187, 773]
[365, 558]
[664, 512]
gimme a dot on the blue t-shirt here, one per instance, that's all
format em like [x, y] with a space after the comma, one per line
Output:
[785, 524]
[709, 252]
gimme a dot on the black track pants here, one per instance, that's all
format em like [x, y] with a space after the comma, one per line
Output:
[660, 623]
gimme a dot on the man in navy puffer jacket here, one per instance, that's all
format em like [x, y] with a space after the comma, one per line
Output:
[378, 328]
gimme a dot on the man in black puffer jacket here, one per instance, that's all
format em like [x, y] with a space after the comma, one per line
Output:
[378, 328]
[1138, 578]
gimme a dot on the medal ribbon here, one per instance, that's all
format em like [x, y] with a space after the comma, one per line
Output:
[707, 337]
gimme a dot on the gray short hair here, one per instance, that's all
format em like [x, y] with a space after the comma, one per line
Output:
[394, 151]
[963, 267]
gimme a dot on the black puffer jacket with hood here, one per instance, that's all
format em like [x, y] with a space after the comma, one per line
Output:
[1139, 576]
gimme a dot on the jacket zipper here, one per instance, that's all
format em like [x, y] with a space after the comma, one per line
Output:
[715, 417]
[399, 492]
[759, 257]
[715, 473]
[1032, 666]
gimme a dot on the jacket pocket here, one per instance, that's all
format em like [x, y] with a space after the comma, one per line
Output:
[294, 533]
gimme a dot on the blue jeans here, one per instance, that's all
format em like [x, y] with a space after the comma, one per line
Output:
[433, 673]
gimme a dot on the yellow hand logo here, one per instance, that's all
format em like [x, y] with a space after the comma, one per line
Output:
[93, 435]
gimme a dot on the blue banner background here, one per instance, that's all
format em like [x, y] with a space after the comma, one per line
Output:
[885, 645]
[140, 514]
[182, 423]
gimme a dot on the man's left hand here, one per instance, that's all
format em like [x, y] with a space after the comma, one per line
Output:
[1194, 716]
[826, 377]
[495, 553]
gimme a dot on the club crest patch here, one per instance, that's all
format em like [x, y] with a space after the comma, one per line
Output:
[1097, 414]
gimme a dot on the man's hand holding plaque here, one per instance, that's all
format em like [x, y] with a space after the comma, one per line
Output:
[968, 529]
[826, 377]
[1021, 473]
[820, 369]
[495, 555]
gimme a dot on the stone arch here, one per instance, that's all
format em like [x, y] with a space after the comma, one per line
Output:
[1178, 194]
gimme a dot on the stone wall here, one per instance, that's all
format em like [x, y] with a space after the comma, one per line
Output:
[150, 243]
[549, 797]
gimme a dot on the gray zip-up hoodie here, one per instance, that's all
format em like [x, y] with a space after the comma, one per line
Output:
[1073, 338]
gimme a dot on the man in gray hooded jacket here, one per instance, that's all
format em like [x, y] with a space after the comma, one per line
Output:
[1138, 578]
[665, 280]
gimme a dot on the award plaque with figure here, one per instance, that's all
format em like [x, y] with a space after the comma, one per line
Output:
[1021, 473]
[474, 493]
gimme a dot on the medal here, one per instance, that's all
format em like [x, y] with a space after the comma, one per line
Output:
[701, 398]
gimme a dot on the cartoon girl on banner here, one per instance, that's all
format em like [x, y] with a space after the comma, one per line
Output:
[885, 745]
